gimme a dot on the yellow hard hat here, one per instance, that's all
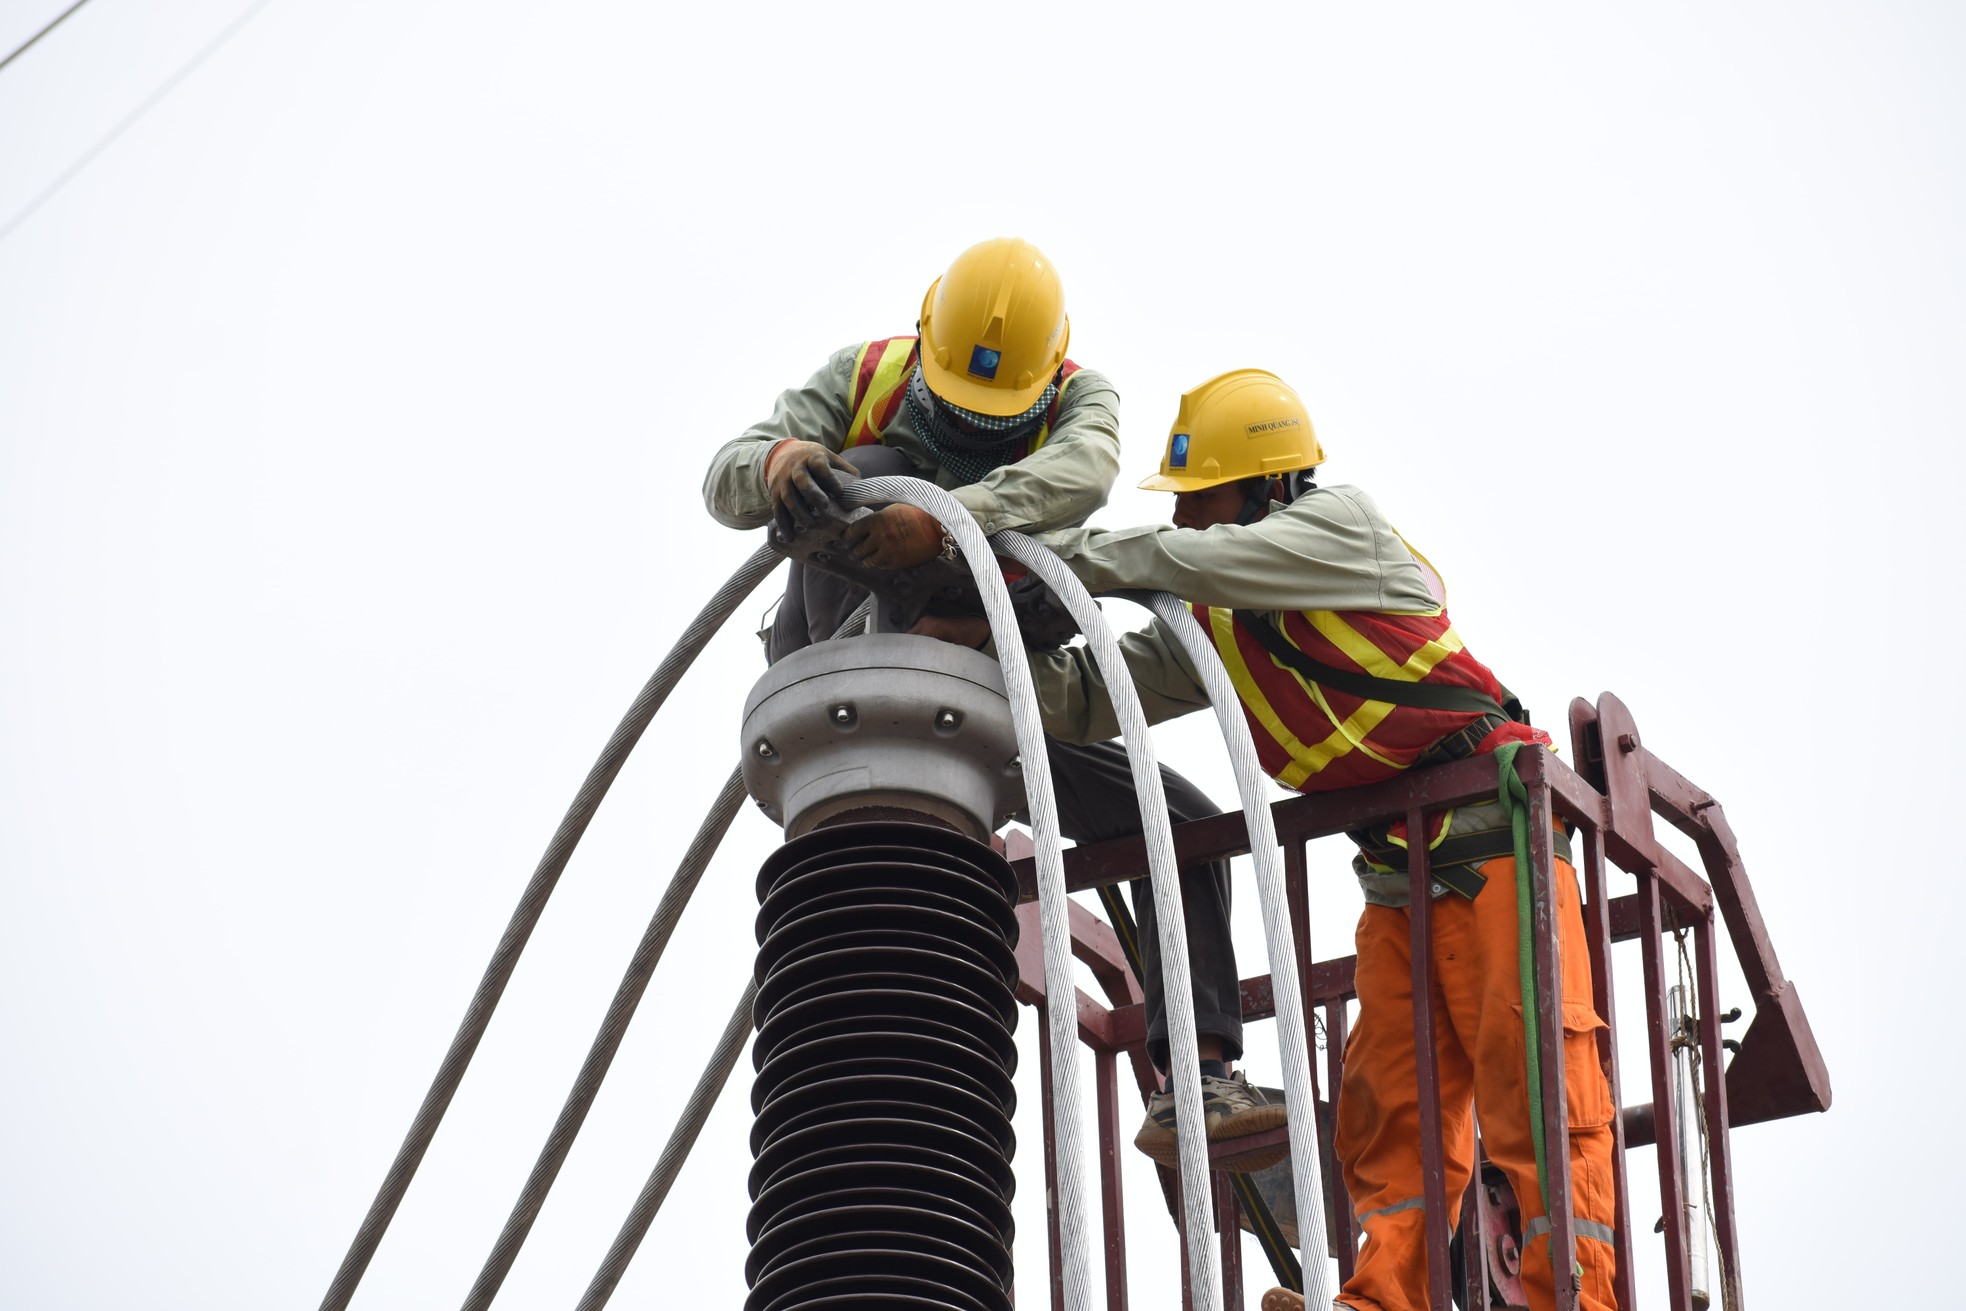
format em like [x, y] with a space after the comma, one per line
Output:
[1243, 424]
[994, 328]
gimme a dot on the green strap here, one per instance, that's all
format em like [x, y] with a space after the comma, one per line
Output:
[1515, 797]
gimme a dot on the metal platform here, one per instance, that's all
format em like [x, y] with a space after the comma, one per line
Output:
[1611, 799]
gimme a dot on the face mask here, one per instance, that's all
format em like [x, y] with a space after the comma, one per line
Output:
[946, 427]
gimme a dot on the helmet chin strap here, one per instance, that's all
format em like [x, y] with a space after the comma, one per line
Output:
[1257, 493]
[1255, 500]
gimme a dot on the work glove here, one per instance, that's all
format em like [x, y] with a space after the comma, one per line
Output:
[895, 537]
[1042, 620]
[801, 476]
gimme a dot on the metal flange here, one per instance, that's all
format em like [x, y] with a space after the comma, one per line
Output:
[883, 722]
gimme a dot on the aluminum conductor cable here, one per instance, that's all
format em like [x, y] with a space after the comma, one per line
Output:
[710, 1085]
[614, 1026]
[1251, 779]
[600, 1054]
[1060, 981]
[1183, 1057]
[532, 904]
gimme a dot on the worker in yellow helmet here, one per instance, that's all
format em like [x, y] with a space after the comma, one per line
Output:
[1336, 635]
[986, 403]
[983, 402]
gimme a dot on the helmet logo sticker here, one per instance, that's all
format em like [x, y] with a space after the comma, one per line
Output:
[983, 362]
[1177, 451]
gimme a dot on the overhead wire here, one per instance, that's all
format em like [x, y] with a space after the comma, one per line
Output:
[29, 44]
[614, 1026]
[696, 1112]
[532, 904]
[600, 1055]
[149, 103]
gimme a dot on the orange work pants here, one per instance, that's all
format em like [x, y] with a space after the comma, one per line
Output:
[1479, 1044]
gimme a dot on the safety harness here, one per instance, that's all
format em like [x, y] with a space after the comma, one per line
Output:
[1455, 857]
[1510, 792]
[1370, 687]
[881, 373]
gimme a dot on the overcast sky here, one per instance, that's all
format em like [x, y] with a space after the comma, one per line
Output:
[354, 402]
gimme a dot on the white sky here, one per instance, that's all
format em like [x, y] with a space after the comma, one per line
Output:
[352, 411]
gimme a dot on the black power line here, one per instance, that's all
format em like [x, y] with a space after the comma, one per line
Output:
[149, 103]
[43, 32]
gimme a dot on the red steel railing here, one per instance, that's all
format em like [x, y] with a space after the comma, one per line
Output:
[1610, 798]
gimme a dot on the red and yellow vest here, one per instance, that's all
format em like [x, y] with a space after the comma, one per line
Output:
[880, 385]
[1317, 739]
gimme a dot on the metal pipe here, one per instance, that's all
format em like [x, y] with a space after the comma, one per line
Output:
[1658, 1041]
[1559, 1194]
[1686, 1128]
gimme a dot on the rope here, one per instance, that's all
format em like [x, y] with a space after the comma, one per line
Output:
[505, 957]
[1060, 972]
[1184, 1074]
[587, 1084]
[1306, 1170]
[709, 1085]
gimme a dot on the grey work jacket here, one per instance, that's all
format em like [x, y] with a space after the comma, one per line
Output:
[1331, 549]
[1057, 486]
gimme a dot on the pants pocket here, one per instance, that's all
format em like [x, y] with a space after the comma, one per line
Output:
[1587, 1094]
[1586, 1089]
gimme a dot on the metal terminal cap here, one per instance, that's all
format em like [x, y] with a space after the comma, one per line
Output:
[887, 721]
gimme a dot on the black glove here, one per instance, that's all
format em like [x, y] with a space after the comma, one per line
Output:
[1042, 620]
[800, 476]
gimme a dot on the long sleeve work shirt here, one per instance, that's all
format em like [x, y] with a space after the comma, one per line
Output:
[1330, 549]
[1059, 485]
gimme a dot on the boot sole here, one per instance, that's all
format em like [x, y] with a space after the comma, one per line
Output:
[1163, 1148]
[1160, 1145]
[1260, 1119]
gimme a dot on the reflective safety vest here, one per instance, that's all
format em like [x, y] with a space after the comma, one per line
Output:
[1315, 738]
[880, 386]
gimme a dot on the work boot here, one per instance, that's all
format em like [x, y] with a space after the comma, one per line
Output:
[1282, 1299]
[1230, 1109]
